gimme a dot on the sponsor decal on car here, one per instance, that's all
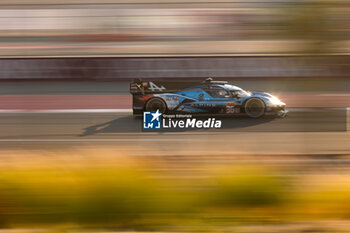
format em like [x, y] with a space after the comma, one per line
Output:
[153, 87]
[203, 105]
[171, 98]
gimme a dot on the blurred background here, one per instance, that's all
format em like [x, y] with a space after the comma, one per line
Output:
[171, 27]
[74, 159]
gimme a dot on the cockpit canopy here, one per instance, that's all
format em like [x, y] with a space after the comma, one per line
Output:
[226, 91]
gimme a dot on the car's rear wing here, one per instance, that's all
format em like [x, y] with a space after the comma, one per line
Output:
[150, 87]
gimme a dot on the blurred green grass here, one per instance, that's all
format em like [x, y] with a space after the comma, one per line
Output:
[90, 196]
[130, 197]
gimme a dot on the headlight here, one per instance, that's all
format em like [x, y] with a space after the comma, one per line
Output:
[275, 101]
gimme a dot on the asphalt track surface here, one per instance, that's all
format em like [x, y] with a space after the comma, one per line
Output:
[301, 132]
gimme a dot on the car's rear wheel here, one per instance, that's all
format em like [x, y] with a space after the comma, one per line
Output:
[254, 107]
[156, 104]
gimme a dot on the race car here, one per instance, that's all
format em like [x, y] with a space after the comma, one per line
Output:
[207, 97]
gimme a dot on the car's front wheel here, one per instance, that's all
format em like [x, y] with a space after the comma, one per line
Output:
[156, 104]
[254, 107]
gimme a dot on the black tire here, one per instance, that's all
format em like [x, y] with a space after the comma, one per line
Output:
[155, 104]
[254, 107]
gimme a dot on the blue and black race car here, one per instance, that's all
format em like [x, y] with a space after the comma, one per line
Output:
[208, 97]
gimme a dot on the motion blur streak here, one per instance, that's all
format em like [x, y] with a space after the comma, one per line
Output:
[103, 188]
[74, 159]
[143, 28]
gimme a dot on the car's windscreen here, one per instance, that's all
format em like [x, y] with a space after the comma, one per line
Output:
[219, 93]
[240, 93]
